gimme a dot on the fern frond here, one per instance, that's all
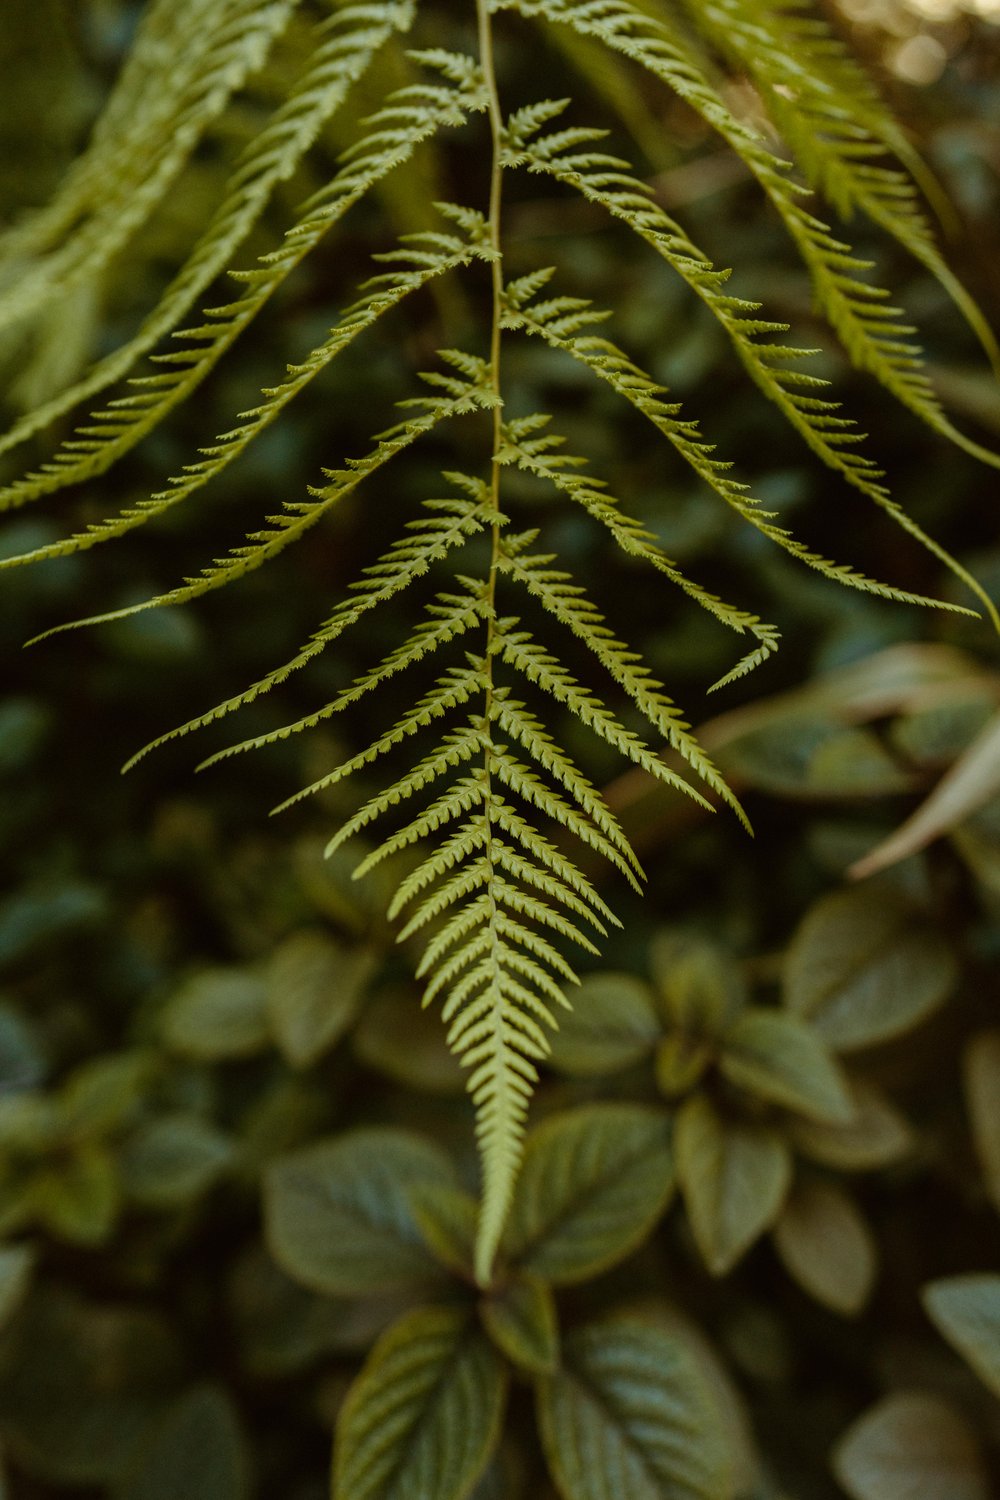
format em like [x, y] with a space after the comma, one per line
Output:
[455, 749]
[550, 320]
[215, 48]
[346, 44]
[412, 115]
[599, 827]
[449, 617]
[465, 794]
[855, 308]
[831, 117]
[603, 179]
[495, 1034]
[137, 101]
[453, 689]
[299, 516]
[541, 456]
[570, 606]
[420, 260]
[520, 651]
[548, 862]
[478, 778]
[551, 885]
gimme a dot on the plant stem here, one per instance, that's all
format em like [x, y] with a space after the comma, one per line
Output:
[491, 1221]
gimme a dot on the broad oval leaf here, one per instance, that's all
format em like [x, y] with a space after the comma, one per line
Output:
[16, 1265]
[967, 1311]
[699, 987]
[803, 752]
[826, 1245]
[314, 987]
[338, 1214]
[681, 1060]
[219, 1013]
[396, 1036]
[78, 1197]
[981, 1069]
[283, 1328]
[612, 1025]
[910, 1447]
[172, 1159]
[973, 780]
[593, 1183]
[82, 1386]
[876, 1135]
[780, 1058]
[446, 1217]
[424, 1415]
[101, 1095]
[629, 1414]
[198, 1453]
[866, 966]
[520, 1318]
[734, 1176]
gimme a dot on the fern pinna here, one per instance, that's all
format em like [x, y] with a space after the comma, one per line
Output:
[496, 898]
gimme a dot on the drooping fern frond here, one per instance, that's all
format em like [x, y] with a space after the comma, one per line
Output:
[840, 134]
[858, 311]
[830, 435]
[540, 455]
[419, 260]
[562, 323]
[411, 116]
[213, 46]
[482, 795]
[347, 42]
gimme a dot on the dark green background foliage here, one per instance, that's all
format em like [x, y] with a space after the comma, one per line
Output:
[753, 1250]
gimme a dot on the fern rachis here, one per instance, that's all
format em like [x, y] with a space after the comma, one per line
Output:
[492, 898]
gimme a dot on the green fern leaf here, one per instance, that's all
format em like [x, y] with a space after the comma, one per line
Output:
[214, 47]
[347, 42]
[412, 115]
[478, 777]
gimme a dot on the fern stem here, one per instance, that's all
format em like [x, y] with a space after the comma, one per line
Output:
[496, 1194]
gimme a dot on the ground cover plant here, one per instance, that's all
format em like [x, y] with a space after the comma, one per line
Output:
[237, 1078]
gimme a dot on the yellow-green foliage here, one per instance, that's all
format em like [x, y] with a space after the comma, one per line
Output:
[490, 888]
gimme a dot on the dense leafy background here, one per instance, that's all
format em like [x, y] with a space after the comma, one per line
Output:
[198, 1015]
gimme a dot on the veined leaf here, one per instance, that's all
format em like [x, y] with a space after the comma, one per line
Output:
[172, 1159]
[781, 1058]
[612, 1025]
[863, 969]
[967, 1311]
[217, 1014]
[424, 1415]
[446, 1218]
[197, 1452]
[520, 1318]
[314, 989]
[681, 1061]
[876, 1135]
[827, 1246]
[79, 1197]
[593, 1183]
[699, 988]
[911, 1447]
[338, 1213]
[629, 1414]
[399, 1038]
[734, 1177]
